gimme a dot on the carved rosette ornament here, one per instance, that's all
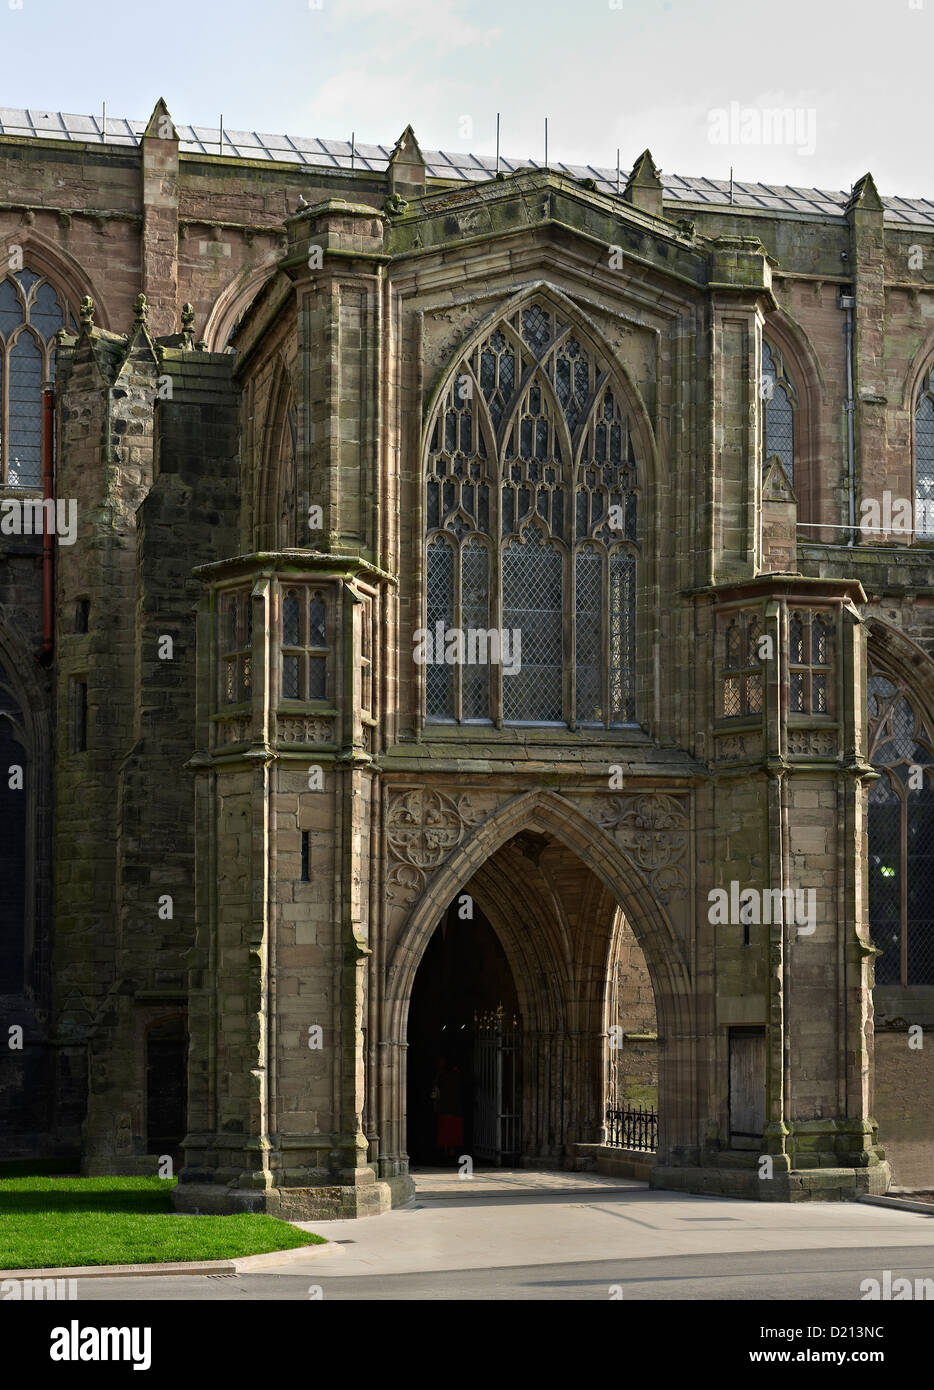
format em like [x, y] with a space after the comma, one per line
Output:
[422, 827]
[812, 743]
[302, 729]
[654, 830]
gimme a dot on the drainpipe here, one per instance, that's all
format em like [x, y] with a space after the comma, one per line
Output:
[848, 304]
[48, 537]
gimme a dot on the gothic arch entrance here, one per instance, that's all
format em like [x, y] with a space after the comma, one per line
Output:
[553, 888]
[463, 1079]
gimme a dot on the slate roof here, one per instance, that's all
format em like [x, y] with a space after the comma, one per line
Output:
[337, 154]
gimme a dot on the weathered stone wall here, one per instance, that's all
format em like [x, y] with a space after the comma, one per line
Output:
[904, 1085]
[633, 1054]
[156, 490]
[364, 336]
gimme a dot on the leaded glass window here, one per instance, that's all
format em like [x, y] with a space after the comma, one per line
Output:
[303, 643]
[810, 651]
[741, 667]
[236, 647]
[779, 399]
[31, 313]
[924, 459]
[901, 836]
[532, 519]
[366, 652]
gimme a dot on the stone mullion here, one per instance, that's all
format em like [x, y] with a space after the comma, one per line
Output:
[457, 622]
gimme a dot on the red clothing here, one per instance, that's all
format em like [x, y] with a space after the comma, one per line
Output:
[450, 1131]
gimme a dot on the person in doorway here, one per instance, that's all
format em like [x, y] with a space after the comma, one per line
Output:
[448, 1097]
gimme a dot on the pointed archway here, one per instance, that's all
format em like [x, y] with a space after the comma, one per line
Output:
[464, 999]
[551, 883]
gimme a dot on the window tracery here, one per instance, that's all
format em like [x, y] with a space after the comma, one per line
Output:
[31, 313]
[532, 526]
[901, 836]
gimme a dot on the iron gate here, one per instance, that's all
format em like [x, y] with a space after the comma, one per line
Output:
[496, 1087]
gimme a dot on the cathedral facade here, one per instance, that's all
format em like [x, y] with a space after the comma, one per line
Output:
[470, 622]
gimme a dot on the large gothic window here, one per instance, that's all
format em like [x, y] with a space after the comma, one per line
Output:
[901, 837]
[780, 398]
[532, 512]
[924, 458]
[31, 313]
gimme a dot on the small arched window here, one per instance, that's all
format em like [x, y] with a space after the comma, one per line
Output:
[531, 498]
[924, 458]
[901, 836]
[31, 313]
[780, 401]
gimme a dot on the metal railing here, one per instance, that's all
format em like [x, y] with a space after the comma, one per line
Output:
[634, 1128]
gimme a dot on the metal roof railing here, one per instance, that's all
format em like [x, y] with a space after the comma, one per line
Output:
[441, 164]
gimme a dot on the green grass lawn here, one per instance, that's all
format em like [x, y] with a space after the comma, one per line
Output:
[46, 1222]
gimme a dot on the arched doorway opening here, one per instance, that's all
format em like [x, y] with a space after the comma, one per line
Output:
[463, 1082]
[590, 958]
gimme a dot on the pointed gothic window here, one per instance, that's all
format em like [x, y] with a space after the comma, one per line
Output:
[532, 534]
[31, 313]
[901, 836]
[924, 459]
[779, 400]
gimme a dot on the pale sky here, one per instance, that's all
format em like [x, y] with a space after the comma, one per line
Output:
[689, 80]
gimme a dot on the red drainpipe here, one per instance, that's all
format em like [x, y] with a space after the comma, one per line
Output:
[48, 537]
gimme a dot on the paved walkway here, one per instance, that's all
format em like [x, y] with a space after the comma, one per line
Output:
[496, 1219]
[520, 1234]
